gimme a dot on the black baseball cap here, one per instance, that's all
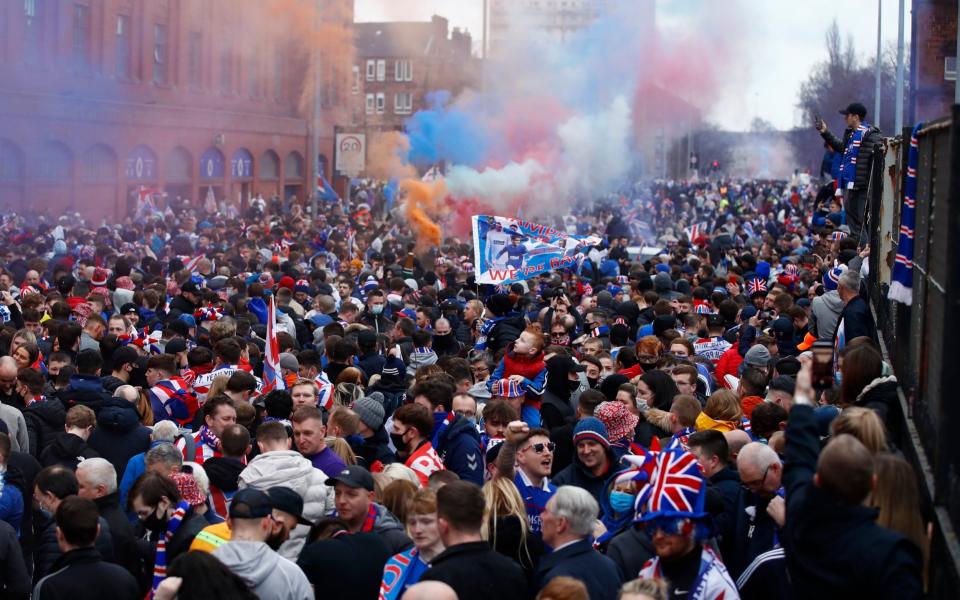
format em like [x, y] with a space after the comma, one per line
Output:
[715, 320]
[190, 287]
[128, 308]
[288, 501]
[855, 108]
[250, 503]
[175, 346]
[355, 477]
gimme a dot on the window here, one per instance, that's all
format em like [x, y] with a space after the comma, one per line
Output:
[403, 103]
[369, 104]
[253, 74]
[33, 36]
[226, 71]
[81, 36]
[371, 69]
[278, 69]
[381, 103]
[123, 47]
[403, 70]
[195, 60]
[160, 54]
[355, 86]
[381, 70]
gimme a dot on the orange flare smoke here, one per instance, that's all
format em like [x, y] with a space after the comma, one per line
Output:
[423, 201]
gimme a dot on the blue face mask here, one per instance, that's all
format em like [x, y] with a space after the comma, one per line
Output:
[621, 502]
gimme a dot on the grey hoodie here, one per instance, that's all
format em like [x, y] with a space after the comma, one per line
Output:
[268, 574]
[390, 530]
[824, 312]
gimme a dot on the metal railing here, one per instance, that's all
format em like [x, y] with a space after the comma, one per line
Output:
[922, 341]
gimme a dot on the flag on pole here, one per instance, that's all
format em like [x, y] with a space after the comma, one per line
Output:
[271, 356]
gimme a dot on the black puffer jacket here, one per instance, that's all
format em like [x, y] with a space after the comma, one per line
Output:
[880, 395]
[44, 421]
[868, 142]
[504, 332]
[119, 434]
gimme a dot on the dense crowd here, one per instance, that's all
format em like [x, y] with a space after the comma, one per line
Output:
[646, 425]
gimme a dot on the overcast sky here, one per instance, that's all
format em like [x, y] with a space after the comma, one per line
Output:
[785, 41]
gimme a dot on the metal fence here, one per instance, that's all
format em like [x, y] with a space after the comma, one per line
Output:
[921, 341]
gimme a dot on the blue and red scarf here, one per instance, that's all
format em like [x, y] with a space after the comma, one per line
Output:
[848, 166]
[160, 564]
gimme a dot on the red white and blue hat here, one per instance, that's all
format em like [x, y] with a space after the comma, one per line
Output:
[507, 388]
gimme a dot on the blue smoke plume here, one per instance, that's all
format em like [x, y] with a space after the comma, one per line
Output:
[445, 134]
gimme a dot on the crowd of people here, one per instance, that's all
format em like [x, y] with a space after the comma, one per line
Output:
[637, 427]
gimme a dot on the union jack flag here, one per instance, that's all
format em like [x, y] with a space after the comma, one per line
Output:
[271, 356]
[756, 286]
[190, 263]
[325, 392]
[836, 236]
[693, 232]
[676, 488]
[173, 400]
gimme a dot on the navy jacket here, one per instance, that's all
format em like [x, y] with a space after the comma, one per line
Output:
[119, 435]
[835, 550]
[82, 574]
[857, 321]
[579, 560]
[459, 448]
[577, 474]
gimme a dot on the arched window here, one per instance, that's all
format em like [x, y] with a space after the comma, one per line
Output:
[99, 164]
[55, 163]
[293, 166]
[179, 166]
[141, 164]
[11, 162]
[269, 165]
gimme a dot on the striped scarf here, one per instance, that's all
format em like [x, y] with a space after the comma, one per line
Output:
[160, 564]
[901, 286]
[848, 166]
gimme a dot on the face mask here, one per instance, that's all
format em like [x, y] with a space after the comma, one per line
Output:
[155, 523]
[46, 514]
[648, 366]
[398, 443]
[376, 309]
[593, 381]
[621, 502]
[573, 385]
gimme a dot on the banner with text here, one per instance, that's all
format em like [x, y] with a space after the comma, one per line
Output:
[507, 249]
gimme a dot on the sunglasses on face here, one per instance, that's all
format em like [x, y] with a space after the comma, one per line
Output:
[539, 448]
[666, 526]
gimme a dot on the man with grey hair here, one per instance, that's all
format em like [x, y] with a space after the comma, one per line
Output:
[758, 511]
[855, 320]
[97, 481]
[568, 521]
[164, 433]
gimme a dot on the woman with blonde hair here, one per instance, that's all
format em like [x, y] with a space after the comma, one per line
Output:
[897, 499]
[644, 589]
[863, 424]
[342, 449]
[218, 386]
[505, 525]
[722, 412]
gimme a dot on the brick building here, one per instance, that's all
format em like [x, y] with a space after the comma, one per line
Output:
[100, 97]
[399, 63]
[933, 44]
